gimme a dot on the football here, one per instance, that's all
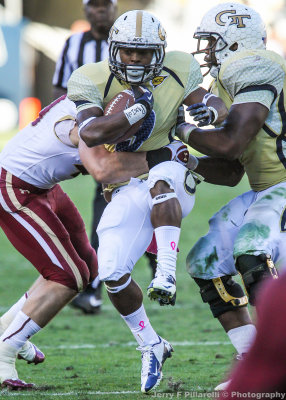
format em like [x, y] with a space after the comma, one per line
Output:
[120, 102]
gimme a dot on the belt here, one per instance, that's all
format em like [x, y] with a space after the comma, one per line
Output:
[110, 187]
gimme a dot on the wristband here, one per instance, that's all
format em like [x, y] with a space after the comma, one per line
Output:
[207, 97]
[184, 130]
[83, 124]
[135, 113]
[214, 111]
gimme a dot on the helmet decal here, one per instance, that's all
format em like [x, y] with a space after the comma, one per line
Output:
[234, 19]
[138, 32]
[161, 33]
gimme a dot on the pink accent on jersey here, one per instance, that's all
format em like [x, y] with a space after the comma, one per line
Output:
[173, 245]
[48, 108]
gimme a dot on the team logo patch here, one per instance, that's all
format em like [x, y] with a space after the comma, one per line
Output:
[113, 30]
[234, 19]
[157, 81]
[161, 33]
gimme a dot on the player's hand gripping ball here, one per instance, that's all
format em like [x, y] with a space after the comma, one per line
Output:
[120, 102]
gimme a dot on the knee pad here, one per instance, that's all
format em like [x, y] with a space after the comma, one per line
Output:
[253, 270]
[166, 172]
[223, 294]
[117, 289]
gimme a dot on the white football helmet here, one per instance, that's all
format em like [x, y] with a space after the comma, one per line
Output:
[235, 27]
[137, 29]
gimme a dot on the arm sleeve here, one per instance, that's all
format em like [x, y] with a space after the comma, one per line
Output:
[253, 79]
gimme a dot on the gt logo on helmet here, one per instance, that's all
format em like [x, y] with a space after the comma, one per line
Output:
[161, 33]
[113, 30]
[235, 19]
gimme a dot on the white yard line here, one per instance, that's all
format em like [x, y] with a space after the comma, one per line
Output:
[83, 393]
[109, 307]
[128, 344]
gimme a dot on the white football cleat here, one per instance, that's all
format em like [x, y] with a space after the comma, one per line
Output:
[153, 358]
[31, 353]
[162, 288]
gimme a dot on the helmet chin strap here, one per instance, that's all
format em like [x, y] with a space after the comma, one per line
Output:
[214, 71]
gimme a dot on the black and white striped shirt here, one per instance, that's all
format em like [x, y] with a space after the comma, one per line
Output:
[80, 48]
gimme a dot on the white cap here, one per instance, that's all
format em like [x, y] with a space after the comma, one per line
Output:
[86, 1]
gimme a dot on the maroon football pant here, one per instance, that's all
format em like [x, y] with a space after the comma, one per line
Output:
[47, 229]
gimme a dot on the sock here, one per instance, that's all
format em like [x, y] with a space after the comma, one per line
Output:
[139, 324]
[9, 315]
[242, 337]
[19, 331]
[167, 238]
[95, 283]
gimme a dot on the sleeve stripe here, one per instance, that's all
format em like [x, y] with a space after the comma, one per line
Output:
[82, 102]
[282, 111]
[269, 131]
[107, 87]
[281, 137]
[255, 88]
[174, 75]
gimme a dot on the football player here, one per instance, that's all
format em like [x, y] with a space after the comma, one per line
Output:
[248, 235]
[43, 224]
[161, 83]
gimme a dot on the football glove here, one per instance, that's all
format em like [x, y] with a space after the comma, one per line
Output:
[202, 113]
[143, 96]
[178, 152]
[183, 128]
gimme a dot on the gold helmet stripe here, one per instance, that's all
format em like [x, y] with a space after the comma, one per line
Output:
[139, 17]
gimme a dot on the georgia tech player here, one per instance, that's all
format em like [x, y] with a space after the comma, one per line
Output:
[161, 83]
[44, 225]
[248, 235]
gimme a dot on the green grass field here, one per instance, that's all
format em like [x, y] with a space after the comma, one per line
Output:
[94, 357]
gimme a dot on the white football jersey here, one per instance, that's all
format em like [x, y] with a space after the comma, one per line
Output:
[37, 155]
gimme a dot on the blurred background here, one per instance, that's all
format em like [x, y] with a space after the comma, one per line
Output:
[32, 34]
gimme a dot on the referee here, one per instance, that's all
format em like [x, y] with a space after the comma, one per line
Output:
[82, 48]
